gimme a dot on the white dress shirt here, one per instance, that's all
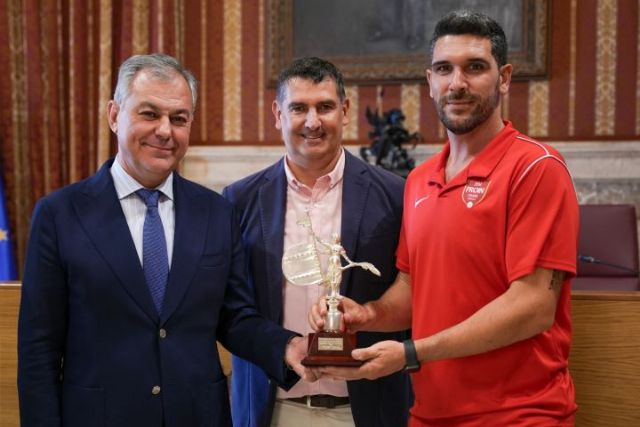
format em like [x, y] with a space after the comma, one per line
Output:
[135, 209]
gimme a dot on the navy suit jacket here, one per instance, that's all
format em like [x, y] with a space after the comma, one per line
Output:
[371, 219]
[92, 346]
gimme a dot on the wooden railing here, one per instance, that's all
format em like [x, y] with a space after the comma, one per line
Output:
[604, 362]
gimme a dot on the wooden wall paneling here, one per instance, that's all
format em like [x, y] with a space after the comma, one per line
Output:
[605, 358]
[9, 304]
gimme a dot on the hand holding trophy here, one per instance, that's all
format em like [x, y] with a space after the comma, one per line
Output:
[301, 266]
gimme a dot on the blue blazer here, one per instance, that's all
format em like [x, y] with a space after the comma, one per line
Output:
[371, 218]
[92, 347]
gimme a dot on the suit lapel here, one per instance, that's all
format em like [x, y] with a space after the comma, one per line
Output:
[101, 215]
[355, 190]
[273, 201]
[191, 213]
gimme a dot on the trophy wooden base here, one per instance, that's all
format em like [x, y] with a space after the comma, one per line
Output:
[331, 349]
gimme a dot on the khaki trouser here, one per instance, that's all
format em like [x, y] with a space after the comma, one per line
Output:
[290, 414]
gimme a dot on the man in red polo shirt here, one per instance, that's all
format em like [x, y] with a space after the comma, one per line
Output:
[486, 254]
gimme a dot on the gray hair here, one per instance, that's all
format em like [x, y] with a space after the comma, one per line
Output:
[161, 66]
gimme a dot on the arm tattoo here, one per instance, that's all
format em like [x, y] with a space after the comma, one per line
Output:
[556, 280]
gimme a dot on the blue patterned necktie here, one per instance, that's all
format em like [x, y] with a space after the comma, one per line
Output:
[155, 262]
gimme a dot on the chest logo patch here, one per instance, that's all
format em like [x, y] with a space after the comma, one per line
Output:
[474, 192]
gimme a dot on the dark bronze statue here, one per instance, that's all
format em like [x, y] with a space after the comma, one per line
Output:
[388, 136]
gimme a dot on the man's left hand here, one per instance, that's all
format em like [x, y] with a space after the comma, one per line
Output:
[295, 352]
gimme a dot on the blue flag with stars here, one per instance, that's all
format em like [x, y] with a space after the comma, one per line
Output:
[7, 262]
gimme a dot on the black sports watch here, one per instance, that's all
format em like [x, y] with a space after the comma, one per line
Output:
[412, 363]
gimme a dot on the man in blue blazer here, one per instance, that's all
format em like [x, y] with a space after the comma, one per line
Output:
[339, 193]
[102, 340]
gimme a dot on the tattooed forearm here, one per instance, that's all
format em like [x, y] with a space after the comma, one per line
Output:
[556, 280]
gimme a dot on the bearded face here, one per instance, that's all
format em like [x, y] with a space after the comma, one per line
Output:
[481, 110]
[465, 82]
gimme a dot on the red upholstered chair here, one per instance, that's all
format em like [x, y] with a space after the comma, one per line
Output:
[608, 249]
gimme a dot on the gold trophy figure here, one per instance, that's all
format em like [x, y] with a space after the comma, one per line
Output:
[301, 266]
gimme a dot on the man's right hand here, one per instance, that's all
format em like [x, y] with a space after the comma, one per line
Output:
[355, 317]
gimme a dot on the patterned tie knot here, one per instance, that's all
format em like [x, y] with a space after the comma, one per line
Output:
[150, 197]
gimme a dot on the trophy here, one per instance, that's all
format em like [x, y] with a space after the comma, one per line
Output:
[301, 266]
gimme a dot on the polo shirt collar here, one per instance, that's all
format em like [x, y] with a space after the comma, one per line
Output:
[490, 156]
[480, 167]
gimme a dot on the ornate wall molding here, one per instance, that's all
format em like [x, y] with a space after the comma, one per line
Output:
[603, 171]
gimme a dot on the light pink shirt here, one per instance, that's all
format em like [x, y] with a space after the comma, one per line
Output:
[324, 202]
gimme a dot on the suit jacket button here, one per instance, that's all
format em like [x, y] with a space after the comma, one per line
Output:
[162, 333]
[155, 389]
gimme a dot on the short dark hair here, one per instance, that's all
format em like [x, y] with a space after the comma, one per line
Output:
[310, 68]
[462, 22]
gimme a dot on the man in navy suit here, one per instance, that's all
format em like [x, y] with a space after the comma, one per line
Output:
[102, 341]
[317, 179]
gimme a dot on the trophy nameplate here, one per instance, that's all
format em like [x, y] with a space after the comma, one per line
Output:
[331, 348]
[301, 266]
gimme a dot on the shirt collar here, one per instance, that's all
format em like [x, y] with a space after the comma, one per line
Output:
[333, 177]
[485, 162]
[490, 156]
[126, 185]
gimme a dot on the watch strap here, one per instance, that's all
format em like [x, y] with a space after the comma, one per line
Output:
[412, 363]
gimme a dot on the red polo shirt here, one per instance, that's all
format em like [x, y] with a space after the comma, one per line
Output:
[512, 209]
